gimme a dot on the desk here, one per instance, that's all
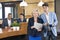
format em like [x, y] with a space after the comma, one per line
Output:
[22, 31]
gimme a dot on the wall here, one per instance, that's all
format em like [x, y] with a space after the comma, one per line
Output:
[30, 7]
[32, 4]
[58, 13]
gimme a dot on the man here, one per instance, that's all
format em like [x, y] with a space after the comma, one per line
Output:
[50, 23]
[7, 21]
[21, 18]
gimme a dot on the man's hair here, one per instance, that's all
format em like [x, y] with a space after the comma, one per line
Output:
[45, 4]
[9, 14]
[22, 14]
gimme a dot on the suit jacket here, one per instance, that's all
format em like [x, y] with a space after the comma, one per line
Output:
[52, 19]
[19, 20]
[5, 22]
[33, 32]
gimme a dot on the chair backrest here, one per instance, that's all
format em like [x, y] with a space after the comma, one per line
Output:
[23, 25]
[1, 21]
[27, 17]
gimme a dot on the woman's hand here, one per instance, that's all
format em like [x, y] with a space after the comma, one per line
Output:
[45, 24]
[32, 27]
[5, 27]
[39, 29]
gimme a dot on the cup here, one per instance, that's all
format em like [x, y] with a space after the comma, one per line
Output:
[14, 28]
[17, 28]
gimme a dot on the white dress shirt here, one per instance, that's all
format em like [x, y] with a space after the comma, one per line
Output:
[47, 17]
[9, 22]
[22, 20]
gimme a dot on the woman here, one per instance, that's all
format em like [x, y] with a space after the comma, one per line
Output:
[33, 33]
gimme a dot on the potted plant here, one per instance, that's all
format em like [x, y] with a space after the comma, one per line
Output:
[15, 25]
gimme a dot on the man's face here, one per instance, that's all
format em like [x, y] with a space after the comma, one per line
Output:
[9, 16]
[45, 8]
[21, 16]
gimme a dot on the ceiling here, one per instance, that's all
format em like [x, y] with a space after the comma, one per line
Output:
[33, 1]
[28, 1]
[9, 0]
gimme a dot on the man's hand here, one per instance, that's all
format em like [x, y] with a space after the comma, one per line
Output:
[52, 25]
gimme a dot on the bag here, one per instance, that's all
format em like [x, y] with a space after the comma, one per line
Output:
[34, 32]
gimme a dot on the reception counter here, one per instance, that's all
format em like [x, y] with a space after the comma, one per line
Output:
[9, 33]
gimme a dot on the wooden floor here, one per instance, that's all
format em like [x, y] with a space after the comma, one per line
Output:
[58, 38]
[21, 38]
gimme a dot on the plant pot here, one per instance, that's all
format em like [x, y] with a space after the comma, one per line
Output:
[15, 28]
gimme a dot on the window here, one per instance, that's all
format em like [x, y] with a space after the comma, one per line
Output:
[0, 11]
[8, 10]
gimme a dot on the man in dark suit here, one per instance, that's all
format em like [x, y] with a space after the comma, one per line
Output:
[21, 18]
[7, 21]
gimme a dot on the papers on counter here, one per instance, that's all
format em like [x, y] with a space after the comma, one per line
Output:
[37, 25]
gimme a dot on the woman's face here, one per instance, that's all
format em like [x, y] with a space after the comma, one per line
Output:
[35, 14]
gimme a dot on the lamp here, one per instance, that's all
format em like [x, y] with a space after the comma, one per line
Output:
[23, 3]
[40, 3]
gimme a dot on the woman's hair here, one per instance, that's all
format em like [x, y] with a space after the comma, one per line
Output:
[35, 10]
